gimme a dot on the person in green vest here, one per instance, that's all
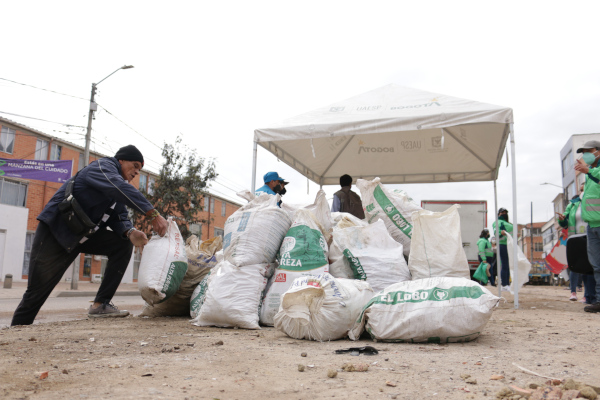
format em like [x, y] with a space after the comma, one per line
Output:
[590, 209]
[575, 225]
[504, 227]
[486, 255]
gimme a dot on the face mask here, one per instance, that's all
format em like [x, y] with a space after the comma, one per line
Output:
[283, 191]
[503, 217]
[277, 188]
[589, 158]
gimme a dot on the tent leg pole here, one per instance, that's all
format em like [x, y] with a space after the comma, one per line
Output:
[497, 236]
[515, 223]
[254, 166]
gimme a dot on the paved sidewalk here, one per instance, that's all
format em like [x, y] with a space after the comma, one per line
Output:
[63, 289]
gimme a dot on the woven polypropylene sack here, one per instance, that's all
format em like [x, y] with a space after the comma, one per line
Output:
[436, 310]
[233, 296]
[394, 207]
[163, 265]
[321, 307]
[303, 252]
[523, 265]
[437, 245]
[372, 255]
[254, 232]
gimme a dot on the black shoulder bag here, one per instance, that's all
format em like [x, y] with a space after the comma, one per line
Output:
[72, 213]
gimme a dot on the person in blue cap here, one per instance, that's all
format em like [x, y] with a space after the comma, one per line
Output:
[273, 184]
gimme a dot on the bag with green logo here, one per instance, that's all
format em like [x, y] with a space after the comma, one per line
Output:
[480, 274]
[321, 307]
[304, 251]
[163, 265]
[434, 310]
[393, 207]
[371, 255]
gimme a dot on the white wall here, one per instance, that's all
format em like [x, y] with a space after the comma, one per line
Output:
[13, 220]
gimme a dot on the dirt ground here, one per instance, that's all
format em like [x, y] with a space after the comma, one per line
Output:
[168, 358]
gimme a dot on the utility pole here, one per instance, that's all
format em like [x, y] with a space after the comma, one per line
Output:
[531, 233]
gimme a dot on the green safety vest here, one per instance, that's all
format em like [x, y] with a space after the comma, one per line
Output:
[485, 249]
[504, 226]
[590, 204]
[570, 221]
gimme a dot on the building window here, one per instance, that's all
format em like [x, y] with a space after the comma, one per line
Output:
[212, 205]
[13, 193]
[55, 152]
[223, 208]
[7, 140]
[27, 255]
[538, 247]
[87, 266]
[151, 182]
[219, 232]
[567, 163]
[143, 183]
[41, 149]
[137, 257]
[196, 229]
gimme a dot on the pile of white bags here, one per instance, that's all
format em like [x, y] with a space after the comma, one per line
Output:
[232, 295]
[163, 265]
[321, 307]
[201, 258]
[304, 251]
[393, 207]
[439, 310]
[523, 265]
[370, 254]
[436, 248]
[254, 232]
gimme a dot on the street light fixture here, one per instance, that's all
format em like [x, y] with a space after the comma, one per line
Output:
[93, 108]
[552, 184]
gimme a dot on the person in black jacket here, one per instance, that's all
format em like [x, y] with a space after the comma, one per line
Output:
[102, 191]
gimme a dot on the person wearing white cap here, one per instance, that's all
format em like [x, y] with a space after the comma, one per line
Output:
[590, 208]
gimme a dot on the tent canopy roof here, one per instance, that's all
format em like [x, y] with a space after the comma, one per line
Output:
[399, 134]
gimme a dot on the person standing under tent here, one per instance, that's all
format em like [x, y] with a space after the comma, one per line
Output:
[345, 200]
[274, 184]
[590, 209]
[504, 227]
[486, 255]
[573, 221]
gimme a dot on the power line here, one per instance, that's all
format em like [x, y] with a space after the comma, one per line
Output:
[46, 90]
[39, 119]
[115, 117]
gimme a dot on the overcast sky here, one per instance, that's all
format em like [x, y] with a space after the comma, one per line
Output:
[213, 72]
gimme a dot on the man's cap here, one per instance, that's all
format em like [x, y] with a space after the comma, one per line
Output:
[130, 153]
[273, 176]
[501, 210]
[590, 144]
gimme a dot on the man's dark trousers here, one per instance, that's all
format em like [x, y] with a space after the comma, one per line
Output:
[49, 261]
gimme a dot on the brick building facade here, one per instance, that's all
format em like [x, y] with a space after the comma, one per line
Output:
[20, 197]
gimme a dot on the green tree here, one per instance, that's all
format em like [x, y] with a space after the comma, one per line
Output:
[182, 184]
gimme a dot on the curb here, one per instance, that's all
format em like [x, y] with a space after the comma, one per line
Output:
[77, 293]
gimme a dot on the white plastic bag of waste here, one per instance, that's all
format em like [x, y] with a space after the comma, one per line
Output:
[321, 307]
[436, 248]
[435, 310]
[163, 265]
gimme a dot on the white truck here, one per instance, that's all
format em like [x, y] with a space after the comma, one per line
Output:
[473, 219]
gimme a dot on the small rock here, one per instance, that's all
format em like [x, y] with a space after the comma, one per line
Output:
[64, 371]
[388, 383]
[44, 375]
[464, 376]
[520, 391]
[588, 393]
[471, 381]
[570, 394]
[570, 384]
[332, 373]
[355, 367]
[301, 367]
[32, 339]
[556, 382]
[303, 355]
[496, 377]
[533, 385]
[219, 343]
[504, 393]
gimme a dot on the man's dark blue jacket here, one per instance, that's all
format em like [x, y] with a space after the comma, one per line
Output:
[96, 188]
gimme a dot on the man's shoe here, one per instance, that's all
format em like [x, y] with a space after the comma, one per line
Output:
[593, 308]
[106, 310]
[505, 289]
[573, 296]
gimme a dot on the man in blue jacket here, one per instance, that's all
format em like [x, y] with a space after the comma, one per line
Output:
[273, 184]
[100, 192]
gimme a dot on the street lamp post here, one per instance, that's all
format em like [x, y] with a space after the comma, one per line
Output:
[93, 108]
[86, 160]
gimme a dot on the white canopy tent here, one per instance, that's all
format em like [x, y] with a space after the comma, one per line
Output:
[399, 134]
